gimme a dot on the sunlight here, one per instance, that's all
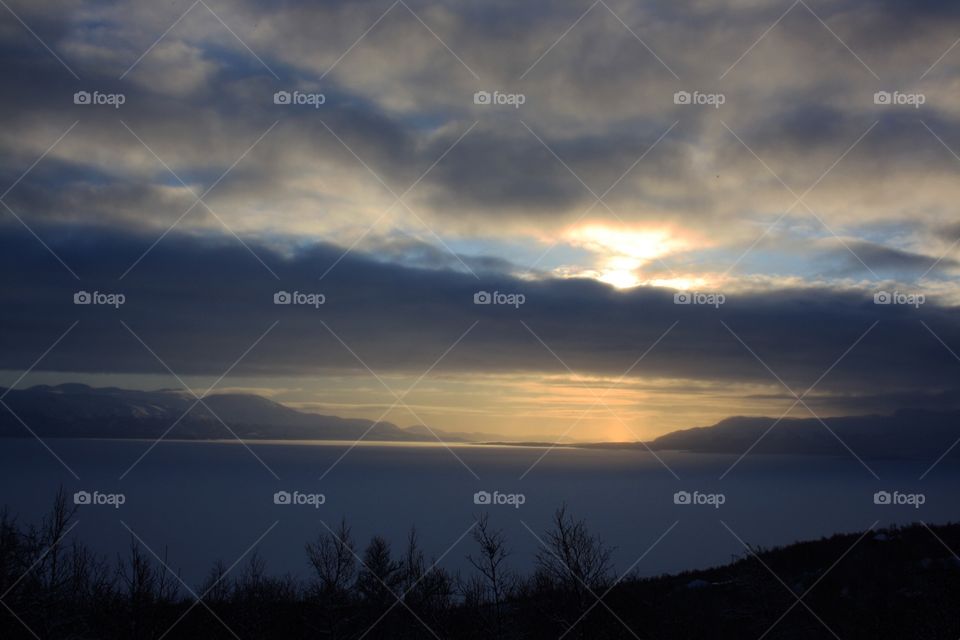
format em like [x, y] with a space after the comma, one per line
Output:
[682, 284]
[616, 431]
[622, 252]
[642, 245]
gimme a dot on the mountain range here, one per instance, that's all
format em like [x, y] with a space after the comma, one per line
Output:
[78, 411]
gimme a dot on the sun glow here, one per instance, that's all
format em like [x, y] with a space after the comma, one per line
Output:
[622, 252]
[683, 284]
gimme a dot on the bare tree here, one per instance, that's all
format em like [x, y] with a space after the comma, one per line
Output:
[146, 589]
[216, 589]
[427, 590]
[497, 583]
[378, 585]
[574, 558]
[261, 603]
[334, 564]
[53, 570]
[333, 561]
[575, 565]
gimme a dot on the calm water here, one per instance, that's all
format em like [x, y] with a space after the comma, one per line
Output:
[211, 500]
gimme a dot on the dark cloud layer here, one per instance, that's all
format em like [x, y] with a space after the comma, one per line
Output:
[200, 302]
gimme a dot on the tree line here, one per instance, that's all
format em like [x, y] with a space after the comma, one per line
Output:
[54, 586]
[892, 583]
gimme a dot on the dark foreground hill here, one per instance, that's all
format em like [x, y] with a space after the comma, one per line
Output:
[897, 583]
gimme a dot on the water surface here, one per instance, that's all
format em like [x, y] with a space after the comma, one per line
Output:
[203, 501]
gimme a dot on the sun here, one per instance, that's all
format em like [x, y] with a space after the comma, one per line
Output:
[622, 251]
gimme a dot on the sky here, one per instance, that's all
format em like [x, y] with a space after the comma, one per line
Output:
[598, 221]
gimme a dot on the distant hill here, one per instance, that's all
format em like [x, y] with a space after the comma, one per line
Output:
[78, 410]
[908, 433]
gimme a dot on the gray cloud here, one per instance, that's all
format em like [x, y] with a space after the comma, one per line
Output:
[599, 99]
[199, 303]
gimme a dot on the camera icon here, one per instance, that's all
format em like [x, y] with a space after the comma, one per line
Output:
[281, 97]
[482, 497]
[482, 297]
[682, 497]
[81, 97]
[682, 297]
[282, 297]
[681, 97]
[482, 97]
[882, 497]
[82, 297]
[882, 297]
[882, 97]
[282, 497]
[82, 497]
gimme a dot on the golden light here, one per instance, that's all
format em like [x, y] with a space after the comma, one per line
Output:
[619, 278]
[623, 251]
[643, 245]
[683, 284]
